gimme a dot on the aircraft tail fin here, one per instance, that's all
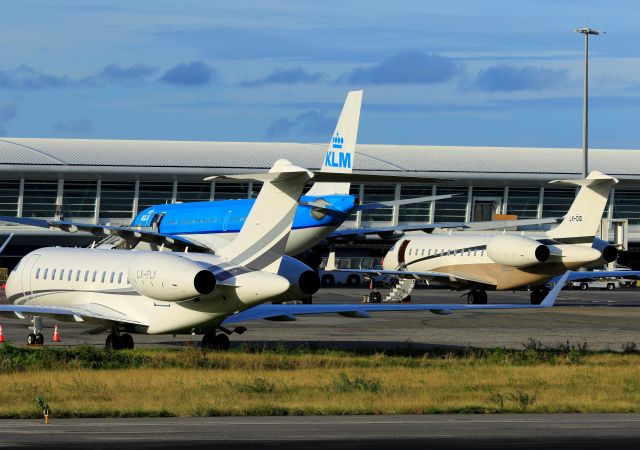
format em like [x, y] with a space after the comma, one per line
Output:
[261, 242]
[581, 223]
[340, 154]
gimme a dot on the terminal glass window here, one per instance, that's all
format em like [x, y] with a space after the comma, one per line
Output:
[523, 202]
[417, 212]
[626, 205]
[453, 209]
[40, 199]
[230, 191]
[154, 193]
[79, 198]
[557, 201]
[194, 192]
[9, 193]
[116, 200]
[378, 193]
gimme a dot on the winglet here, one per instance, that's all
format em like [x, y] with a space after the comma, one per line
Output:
[551, 297]
[331, 260]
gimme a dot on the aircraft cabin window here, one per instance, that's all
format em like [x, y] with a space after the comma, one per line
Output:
[38, 273]
[113, 274]
[61, 274]
[104, 275]
[429, 252]
[120, 278]
[409, 252]
[69, 274]
[93, 278]
[86, 276]
[53, 274]
[422, 252]
[78, 275]
[44, 276]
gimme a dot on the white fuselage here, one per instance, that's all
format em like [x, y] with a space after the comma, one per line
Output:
[111, 281]
[467, 259]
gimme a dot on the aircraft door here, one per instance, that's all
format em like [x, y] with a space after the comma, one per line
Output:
[402, 251]
[27, 272]
[226, 221]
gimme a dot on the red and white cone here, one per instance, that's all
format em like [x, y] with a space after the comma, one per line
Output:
[1, 335]
[56, 335]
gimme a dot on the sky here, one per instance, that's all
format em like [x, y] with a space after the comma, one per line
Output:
[491, 73]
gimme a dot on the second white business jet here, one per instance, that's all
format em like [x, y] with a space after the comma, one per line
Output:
[482, 262]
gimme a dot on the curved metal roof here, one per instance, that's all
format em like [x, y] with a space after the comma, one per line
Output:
[195, 158]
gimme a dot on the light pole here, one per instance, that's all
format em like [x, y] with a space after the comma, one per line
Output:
[585, 109]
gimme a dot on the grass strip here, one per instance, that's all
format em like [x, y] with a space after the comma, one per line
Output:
[90, 382]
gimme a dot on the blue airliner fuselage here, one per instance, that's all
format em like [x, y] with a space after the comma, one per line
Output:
[228, 216]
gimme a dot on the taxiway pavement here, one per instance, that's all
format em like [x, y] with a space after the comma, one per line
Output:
[525, 431]
[602, 319]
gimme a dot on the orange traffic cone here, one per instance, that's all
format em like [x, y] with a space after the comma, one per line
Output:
[1, 335]
[56, 336]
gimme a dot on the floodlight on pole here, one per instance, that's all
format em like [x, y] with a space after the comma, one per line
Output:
[585, 109]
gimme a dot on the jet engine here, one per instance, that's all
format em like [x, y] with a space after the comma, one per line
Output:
[304, 281]
[608, 251]
[169, 277]
[517, 251]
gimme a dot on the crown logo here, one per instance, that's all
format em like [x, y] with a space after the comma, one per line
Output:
[337, 141]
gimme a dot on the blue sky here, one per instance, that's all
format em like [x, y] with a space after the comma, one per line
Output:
[496, 73]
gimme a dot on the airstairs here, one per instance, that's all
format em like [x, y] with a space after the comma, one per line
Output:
[400, 291]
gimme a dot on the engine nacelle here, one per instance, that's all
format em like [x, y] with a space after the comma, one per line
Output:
[517, 251]
[304, 281]
[608, 251]
[169, 277]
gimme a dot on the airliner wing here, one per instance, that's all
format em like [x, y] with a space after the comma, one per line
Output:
[79, 313]
[362, 310]
[127, 233]
[398, 231]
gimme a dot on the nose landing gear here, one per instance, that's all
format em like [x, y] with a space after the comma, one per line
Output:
[36, 337]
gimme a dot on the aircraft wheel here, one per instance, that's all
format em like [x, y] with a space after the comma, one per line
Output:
[538, 296]
[222, 341]
[39, 339]
[31, 339]
[209, 341]
[126, 341]
[113, 342]
[477, 297]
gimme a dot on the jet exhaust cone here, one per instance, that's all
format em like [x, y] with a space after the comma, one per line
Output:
[309, 282]
[204, 282]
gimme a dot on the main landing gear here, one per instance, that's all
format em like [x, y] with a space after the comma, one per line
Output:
[477, 297]
[117, 341]
[219, 341]
[538, 294]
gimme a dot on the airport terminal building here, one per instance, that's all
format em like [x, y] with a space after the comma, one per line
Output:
[110, 181]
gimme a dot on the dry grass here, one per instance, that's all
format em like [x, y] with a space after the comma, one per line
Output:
[189, 383]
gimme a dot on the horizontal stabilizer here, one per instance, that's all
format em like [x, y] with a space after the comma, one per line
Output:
[334, 177]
